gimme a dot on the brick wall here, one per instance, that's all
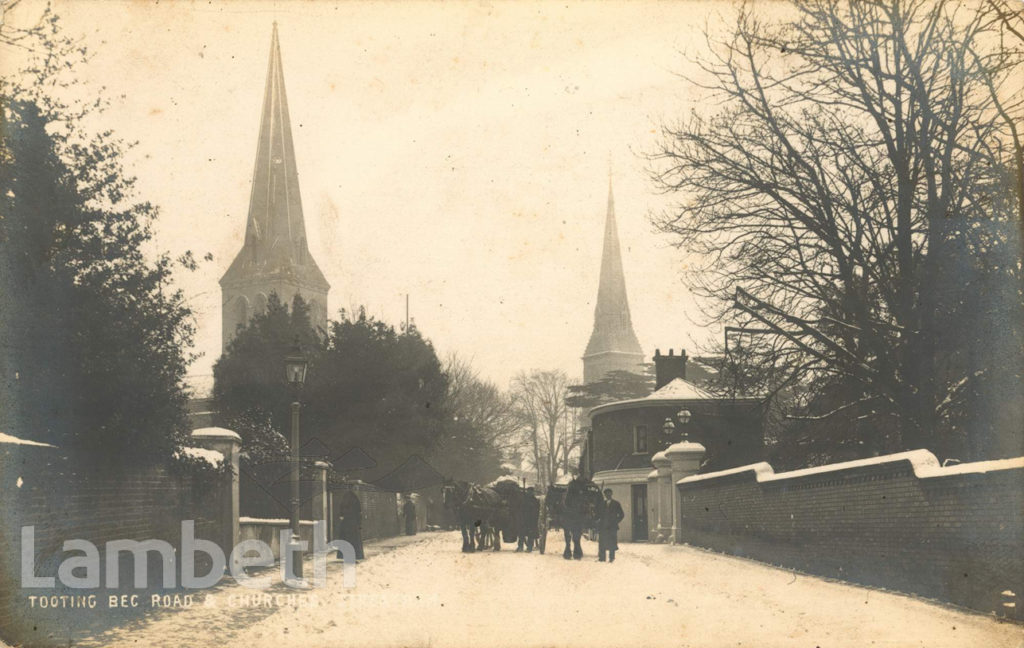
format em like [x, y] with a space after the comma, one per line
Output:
[39, 487]
[899, 522]
[379, 509]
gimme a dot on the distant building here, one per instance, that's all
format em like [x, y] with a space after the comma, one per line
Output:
[201, 406]
[274, 257]
[625, 435]
[613, 344]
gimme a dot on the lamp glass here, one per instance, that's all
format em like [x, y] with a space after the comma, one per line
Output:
[684, 416]
[668, 426]
[295, 367]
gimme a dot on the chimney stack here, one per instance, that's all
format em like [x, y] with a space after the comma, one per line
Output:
[668, 367]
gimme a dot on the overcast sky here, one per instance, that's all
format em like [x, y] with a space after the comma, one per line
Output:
[457, 153]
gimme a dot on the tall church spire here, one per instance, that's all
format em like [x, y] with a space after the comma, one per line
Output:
[613, 344]
[274, 256]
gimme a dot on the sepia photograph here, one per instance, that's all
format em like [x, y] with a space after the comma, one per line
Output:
[495, 324]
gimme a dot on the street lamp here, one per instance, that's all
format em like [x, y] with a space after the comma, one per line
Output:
[295, 365]
[684, 417]
[668, 428]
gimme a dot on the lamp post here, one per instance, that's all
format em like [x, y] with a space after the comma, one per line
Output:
[295, 370]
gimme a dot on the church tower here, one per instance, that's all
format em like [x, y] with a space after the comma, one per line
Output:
[613, 344]
[274, 257]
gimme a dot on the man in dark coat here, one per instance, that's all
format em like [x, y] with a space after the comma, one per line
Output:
[409, 511]
[350, 522]
[608, 527]
[529, 512]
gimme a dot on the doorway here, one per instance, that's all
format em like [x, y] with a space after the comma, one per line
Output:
[639, 512]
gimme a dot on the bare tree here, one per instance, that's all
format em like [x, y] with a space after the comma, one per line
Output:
[851, 196]
[548, 425]
[1006, 19]
[482, 429]
[22, 34]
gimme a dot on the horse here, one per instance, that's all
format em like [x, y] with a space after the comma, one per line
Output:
[574, 507]
[454, 494]
[479, 507]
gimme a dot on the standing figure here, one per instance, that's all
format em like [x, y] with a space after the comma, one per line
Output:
[409, 511]
[530, 514]
[608, 527]
[350, 527]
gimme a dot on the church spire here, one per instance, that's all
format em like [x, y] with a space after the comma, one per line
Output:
[613, 344]
[275, 255]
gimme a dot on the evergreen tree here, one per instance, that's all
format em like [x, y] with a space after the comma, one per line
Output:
[614, 386]
[94, 339]
[367, 386]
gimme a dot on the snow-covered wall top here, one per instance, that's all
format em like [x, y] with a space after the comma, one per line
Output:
[13, 440]
[216, 433]
[923, 463]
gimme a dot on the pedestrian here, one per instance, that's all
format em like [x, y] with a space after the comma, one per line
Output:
[608, 527]
[409, 511]
[531, 513]
[350, 522]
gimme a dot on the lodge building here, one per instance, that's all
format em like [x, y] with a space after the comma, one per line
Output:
[626, 437]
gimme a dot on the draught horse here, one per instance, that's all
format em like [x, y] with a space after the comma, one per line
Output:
[574, 507]
[485, 508]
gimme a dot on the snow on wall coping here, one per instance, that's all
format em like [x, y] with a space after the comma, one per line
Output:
[973, 467]
[761, 468]
[923, 463]
[683, 447]
[7, 438]
[212, 457]
[271, 521]
[216, 433]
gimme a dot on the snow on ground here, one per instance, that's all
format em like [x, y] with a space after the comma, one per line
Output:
[430, 594]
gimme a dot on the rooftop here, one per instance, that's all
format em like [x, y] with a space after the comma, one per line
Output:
[677, 392]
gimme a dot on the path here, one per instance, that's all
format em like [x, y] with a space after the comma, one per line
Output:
[430, 594]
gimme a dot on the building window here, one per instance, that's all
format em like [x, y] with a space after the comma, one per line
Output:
[640, 438]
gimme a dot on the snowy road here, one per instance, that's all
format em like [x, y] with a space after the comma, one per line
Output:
[430, 594]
